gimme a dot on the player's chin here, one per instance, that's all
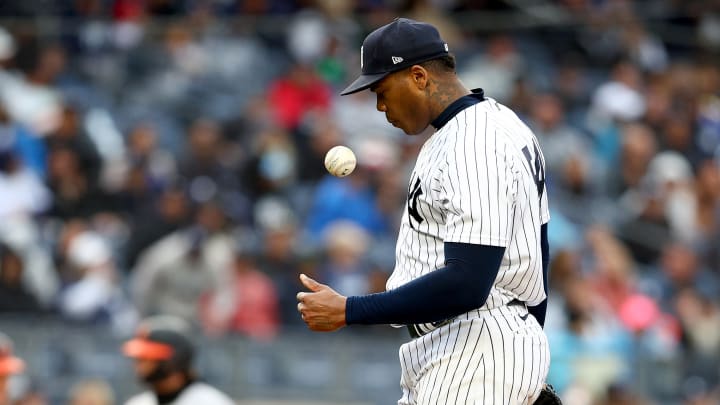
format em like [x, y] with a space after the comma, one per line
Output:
[405, 129]
[415, 131]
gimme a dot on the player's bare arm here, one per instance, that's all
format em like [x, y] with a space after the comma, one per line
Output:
[322, 309]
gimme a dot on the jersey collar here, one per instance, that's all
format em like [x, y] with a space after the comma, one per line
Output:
[458, 105]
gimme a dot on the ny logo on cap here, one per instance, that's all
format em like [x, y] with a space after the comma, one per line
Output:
[396, 60]
[361, 58]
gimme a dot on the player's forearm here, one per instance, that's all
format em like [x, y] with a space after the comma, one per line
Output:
[462, 285]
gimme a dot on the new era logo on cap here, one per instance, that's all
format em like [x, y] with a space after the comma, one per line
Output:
[416, 41]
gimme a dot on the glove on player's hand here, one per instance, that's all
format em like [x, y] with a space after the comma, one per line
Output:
[548, 396]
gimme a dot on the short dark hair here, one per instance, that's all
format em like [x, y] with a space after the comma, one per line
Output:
[445, 63]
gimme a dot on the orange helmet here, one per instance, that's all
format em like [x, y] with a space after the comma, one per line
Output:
[9, 364]
[164, 339]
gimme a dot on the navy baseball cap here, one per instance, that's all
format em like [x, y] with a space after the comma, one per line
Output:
[396, 46]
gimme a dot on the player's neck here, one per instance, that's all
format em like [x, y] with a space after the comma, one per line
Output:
[446, 92]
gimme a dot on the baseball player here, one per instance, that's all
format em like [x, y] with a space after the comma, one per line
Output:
[163, 355]
[470, 278]
[9, 365]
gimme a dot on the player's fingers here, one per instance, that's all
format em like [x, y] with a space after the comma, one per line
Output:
[310, 283]
[300, 296]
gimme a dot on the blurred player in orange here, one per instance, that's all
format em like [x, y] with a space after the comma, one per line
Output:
[9, 365]
[163, 353]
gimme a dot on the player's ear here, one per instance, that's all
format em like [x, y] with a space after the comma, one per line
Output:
[419, 76]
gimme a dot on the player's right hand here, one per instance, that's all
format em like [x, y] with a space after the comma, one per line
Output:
[322, 309]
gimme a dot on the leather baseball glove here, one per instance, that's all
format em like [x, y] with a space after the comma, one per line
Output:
[548, 396]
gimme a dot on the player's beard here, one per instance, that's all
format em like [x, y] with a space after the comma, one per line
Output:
[159, 373]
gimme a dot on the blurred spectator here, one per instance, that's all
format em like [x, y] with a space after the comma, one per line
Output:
[660, 102]
[169, 212]
[207, 172]
[295, 94]
[74, 166]
[351, 199]
[556, 137]
[621, 394]
[307, 37]
[344, 268]
[172, 275]
[662, 209]
[680, 269]
[678, 135]
[23, 235]
[613, 271]
[92, 291]
[589, 354]
[707, 220]
[246, 304]
[643, 48]
[284, 252]
[573, 175]
[496, 69]
[670, 178]
[91, 392]
[435, 13]
[14, 296]
[274, 168]
[22, 193]
[707, 137]
[573, 85]
[638, 146]
[27, 146]
[564, 269]
[700, 318]
[143, 150]
[30, 97]
[8, 48]
[618, 100]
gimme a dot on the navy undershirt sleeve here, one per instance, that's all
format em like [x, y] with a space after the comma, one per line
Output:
[462, 285]
[539, 311]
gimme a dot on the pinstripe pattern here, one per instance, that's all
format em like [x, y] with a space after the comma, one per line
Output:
[475, 182]
[462, 173]
[486, 357]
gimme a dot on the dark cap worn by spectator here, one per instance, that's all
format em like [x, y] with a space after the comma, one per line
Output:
[396, 46]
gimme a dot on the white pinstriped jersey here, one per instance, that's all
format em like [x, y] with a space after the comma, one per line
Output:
[195, 394]
[479, 179]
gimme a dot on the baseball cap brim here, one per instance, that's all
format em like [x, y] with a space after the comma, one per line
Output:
[363, 82]
[147, 349]
[11, 365]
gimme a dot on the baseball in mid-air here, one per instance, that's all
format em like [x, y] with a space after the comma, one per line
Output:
[340, 161]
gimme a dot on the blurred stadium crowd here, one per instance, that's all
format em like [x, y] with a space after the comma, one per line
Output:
[162, 156]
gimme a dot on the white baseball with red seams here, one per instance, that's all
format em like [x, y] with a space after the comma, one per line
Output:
[340, 161]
